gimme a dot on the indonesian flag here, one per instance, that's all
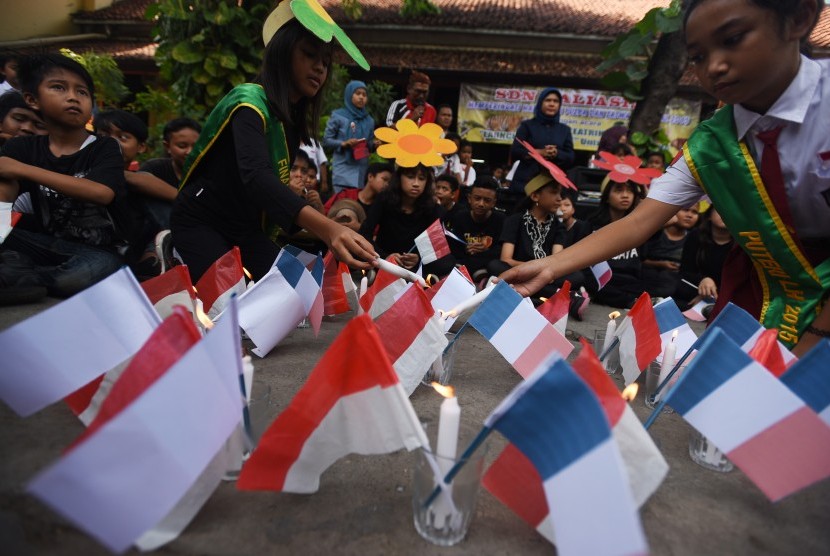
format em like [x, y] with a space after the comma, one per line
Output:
[513, 479]
[762, 427]
[556, 308]
[767, 352]
[171, 288]
[432, 243]
[807, 379]
[413, 336]
[556, 421]
[166, 426]
[351, 403]
[602, 273]
[220, 282]
[382, 293]
[57, 351]
[639, 337]
[517, 330]
[336, 277]
[8, 219]
[454, 288]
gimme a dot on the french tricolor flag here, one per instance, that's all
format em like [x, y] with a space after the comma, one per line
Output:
[761, 426]
[413, 336]
[52, 354]
[555, 309]
[454, 288]
[306, 282]
[513, 479]
[352, 402]
[557, 422]
[639, 337]
[809, 380]
[336, 277]
[382, 293]
[432, 243]
[670, 319]
[224, 279]
[695, 312]
[517, 330]
[602, 273]
[169, 289]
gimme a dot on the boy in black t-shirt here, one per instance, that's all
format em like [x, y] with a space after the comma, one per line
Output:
[480, 227]
[180, 134]
[76, 182]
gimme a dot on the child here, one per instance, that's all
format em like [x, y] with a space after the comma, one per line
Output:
[757, 69]
[446, 193]
[701, 263]
[655, 160]
[400, 214]
[180, 135]
[464, 171]
[8, 67]
[480, 227]
[150, 197]
[76, 182]
[378, 177]
[17, 118]
[662, 253]
[239, 168]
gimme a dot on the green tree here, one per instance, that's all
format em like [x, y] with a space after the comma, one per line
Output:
[107, 77]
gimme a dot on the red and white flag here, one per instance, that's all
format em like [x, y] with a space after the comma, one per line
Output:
[8, 219]
[220, 282]
[639, 336]
[127, 476]
[413, 336]
[602, 273]
[382, 293]
[171, 288]
[336, 277]
[432, 243]
[555, 309]
[352, 402]
[57, 351]
[454, 288]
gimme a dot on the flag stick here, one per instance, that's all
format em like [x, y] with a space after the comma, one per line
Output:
[480, 437]
[659, 407]
[611, 347]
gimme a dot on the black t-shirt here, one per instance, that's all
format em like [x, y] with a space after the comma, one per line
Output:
[699, 262]
[579, 230]
[235, 183]
[662, 248]
[515, 231]
[394, 230]
[162, 168]
[65, 217]
[461, 223]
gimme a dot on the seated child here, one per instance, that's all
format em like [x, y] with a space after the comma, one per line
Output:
[662, 253]
[701, 264]
[179, 135]
[378, 176]
[18, 118]
[480, 227]
[463, 170]
[8, 67]
[76, 182]
[446, 194]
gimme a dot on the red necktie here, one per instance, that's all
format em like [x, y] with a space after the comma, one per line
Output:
[772, 177]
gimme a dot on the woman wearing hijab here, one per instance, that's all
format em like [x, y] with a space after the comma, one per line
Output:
[349, 134]
[547, 135]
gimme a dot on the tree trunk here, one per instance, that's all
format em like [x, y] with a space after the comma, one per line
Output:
[664, 72]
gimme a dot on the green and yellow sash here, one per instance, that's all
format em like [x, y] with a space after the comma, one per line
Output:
[793, 289]
[251, 96]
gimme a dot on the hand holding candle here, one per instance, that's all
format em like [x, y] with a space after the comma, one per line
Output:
[400, 272]
[471, 303]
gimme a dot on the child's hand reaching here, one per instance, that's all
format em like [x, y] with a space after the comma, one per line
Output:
[528, 278]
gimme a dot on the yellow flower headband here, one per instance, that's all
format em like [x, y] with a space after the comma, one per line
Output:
[314, 18]
[411, 145]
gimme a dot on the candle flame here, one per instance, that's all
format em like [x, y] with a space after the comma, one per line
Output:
[364, 272]
[248, 274]
[446, 391]
[431, 280]
[614, 314]
[674, 335]
[630, 391]
[202, 316]
[543, 299]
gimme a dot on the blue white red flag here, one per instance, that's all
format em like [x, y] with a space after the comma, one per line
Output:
[556, 308]
[57, 351]
[809, 380]
[695, 312]
[557, 422]
[602, 274]
[639, 337]
[670, 319]
[352, 402]
[449, 292]
[166, 426]
[432, 243]
[513, 479]
[224, 279]
[517, 330]
[307, 282]
[762, 427]
[413, 335]
[307, 259]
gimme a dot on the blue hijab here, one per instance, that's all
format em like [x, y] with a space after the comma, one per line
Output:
[537, 111]
[364, 124]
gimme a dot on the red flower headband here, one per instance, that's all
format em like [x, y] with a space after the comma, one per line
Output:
[624, 169]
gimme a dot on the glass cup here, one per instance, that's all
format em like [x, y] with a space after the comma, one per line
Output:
[260, 414]
[706, 454]
[441, 372]
[612, 362]
[652, 382]
[444, 522]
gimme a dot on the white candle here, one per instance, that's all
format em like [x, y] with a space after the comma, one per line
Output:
[470, 303]
[400, 272]
[669, 356]
[610, 330]
[449, 421]
[364, 283]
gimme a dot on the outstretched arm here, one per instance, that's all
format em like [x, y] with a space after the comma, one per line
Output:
[628, 233]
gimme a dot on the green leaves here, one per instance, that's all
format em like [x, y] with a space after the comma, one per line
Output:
[187, 52]
[106, 75]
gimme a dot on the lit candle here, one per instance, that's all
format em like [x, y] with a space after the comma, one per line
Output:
[610, 330]
[669, 356]
[470, 303]
[449, 420]
[364, 284]
[400, 271]
[629, 393]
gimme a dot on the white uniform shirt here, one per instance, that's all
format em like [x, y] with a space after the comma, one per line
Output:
[803, 146]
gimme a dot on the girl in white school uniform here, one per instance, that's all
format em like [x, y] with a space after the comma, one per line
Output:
[747, 54]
